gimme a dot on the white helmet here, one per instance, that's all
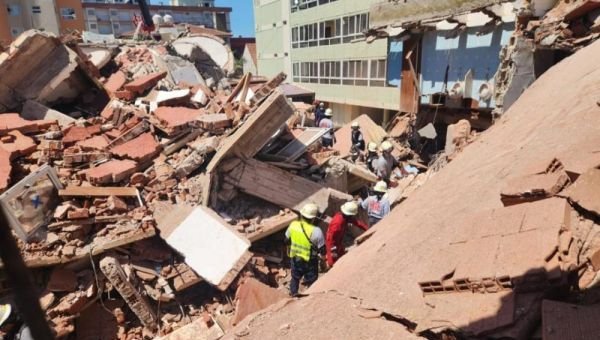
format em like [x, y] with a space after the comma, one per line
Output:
[386, 146]
[321, 104]
[329, 113]
[309, 211]
[355, 125]
[350, 208]
[372, 147]
[381, 187]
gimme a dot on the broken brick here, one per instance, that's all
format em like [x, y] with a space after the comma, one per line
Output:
[173, 117]
[113, 171]
[94, 143]
[5, 169]
[141, 149]
[116, 204]
[13, 121]
[21, 145]
[62, 280]
[144, 83]
[115, 82]
[78, 213]
[75, 134]
[125, 95]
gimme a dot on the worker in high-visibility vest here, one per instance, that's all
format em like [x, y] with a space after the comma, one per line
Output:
[307, 244]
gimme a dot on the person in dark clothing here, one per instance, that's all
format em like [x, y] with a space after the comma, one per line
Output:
[358, 140]
[319, 113]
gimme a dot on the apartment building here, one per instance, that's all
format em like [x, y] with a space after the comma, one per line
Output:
[56, 16]
[320, 45]
[117, 16]
[200, 3]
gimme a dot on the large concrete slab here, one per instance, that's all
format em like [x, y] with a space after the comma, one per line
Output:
[210, 247]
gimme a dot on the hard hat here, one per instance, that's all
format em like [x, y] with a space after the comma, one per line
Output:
[350, 208]
[387, 146]
[355, 125]
[329, 112]
[309, 211]
[321, 104]
[372, 147]
[380, 186]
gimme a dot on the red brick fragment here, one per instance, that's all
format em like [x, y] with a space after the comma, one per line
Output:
[62, 280]
[21, 145]
[5, 169]
[13, 121]
[78, 213]
[94, 143]
[125, 95]
[111, 172]
[141, 149]
[173, 117]
[75, 134]
[144, 83]
[115, 82]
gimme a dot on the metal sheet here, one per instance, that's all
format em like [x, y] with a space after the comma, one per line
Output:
[298, 146]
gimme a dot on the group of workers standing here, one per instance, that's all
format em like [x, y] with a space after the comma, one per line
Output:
[306, 240]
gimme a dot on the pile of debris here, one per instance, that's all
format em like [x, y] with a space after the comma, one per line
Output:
[129, 175]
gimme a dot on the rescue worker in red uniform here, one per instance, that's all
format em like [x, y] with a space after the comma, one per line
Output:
[334, 245]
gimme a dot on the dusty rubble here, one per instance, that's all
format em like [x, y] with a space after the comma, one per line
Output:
[119, 174]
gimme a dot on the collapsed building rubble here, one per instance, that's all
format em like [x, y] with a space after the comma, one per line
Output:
[142, 188]
[502, 243]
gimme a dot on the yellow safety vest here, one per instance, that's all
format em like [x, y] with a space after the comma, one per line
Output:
[301, 245]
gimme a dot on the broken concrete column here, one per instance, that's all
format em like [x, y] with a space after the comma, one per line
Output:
[138, 304]
[39, 67]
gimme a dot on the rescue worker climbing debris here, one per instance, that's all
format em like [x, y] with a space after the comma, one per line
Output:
[358, 141]
[386, 163]
[307, 244]
[328, 138]
[377, 205]
[372, 156]
[337, 229]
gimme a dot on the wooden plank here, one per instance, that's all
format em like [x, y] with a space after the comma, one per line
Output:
[76, 191]
[255, 132]
[272, 228]
[298, 146]
[409, 98]
[281, 187]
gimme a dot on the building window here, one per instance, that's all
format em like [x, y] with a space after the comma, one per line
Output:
[356, 72]
[13, 10]
[91, 12]
[116, 27]
[354, 25]
[114, 13]
[330, 32]
[330, 72]
[377, 73]
[305, 36]
[298, 5]
[93, 27]
[36, 9]
[68, 13]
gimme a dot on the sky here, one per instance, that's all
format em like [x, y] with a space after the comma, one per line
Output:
[242, 15]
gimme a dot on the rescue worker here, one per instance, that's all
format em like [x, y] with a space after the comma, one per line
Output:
[306, 245]
[319, 113]
[377, 205]
[372, 156]
[386, 163]
[328, 138]
[358, 142]
[334, 244]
